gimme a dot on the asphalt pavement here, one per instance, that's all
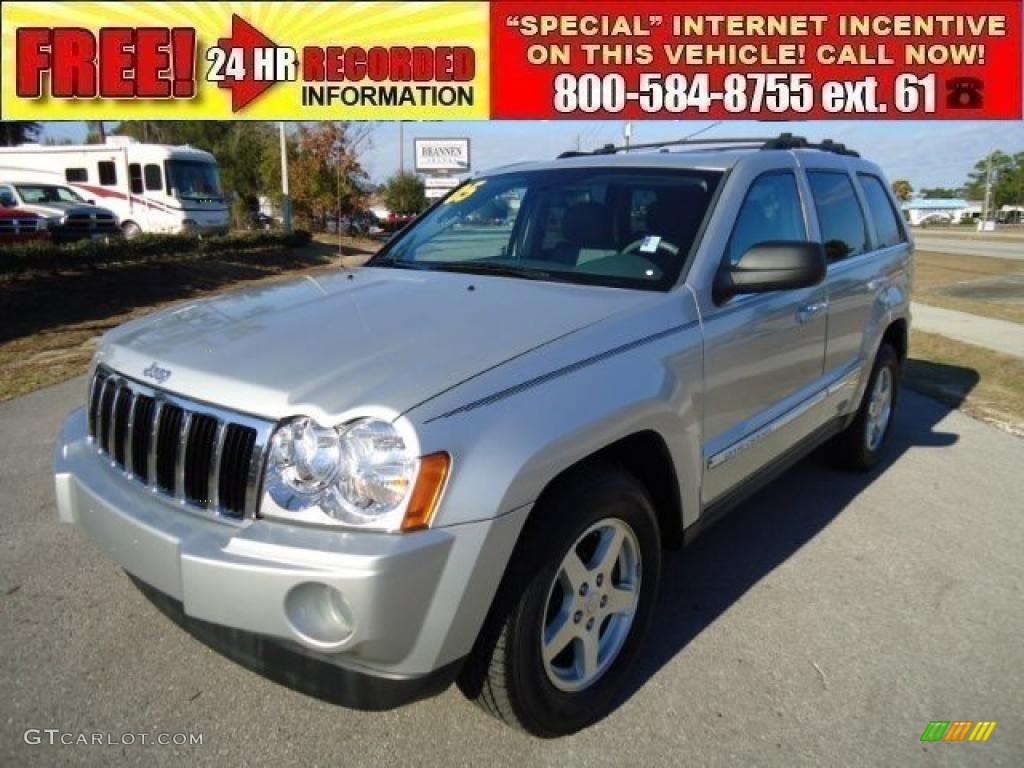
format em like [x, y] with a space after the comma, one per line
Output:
[970, 245]
[823, 623]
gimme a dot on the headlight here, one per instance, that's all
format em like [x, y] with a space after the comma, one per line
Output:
[361, 474]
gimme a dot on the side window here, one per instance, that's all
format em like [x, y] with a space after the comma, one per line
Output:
[7, 198]
[76, 174]
[107, 172]
[135, 178]
[843, 228]
[887, 223]
[154, 179]
[770, 211]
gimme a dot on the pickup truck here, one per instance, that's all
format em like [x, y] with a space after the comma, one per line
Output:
[463, 461]
[68, 216]
[20, 226]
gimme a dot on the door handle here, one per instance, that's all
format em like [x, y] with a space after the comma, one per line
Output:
[810, 311]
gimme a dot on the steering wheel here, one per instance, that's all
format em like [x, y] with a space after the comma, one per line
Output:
[663, 244]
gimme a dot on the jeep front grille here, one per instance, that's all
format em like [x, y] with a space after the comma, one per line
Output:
[195, 453]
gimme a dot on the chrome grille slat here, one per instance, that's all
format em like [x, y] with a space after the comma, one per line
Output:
[182, 451]
[111, 441]
[154, 430]
[213, 481]
[255, 473]
[103, 410]
[129, 441]
[201, 456]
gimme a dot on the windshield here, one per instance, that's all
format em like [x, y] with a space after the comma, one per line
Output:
[193, 180]
[629, 227]
[47, 193]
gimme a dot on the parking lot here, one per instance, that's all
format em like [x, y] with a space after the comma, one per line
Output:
[825, 622]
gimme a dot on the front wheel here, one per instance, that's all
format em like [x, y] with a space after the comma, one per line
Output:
[573, 609]
[861, 444]
[130, 230]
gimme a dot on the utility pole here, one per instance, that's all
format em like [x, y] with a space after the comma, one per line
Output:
[401, 147]
[627, 132]
[286, 200]
[988, 196]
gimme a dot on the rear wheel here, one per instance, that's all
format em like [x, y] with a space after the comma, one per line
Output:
[130, 229]
[573, 609]
[862, 443]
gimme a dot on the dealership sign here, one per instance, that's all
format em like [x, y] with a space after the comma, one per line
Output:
[441, 154]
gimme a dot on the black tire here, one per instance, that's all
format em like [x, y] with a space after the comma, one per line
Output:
[130, 229]
[850, 449]
[505, 674]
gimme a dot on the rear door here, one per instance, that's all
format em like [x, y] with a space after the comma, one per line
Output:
[858, 246]
[764, 353]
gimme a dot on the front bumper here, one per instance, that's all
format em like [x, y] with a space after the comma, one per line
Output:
[395, 607]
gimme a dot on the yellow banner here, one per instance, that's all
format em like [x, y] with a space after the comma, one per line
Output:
[246, 60]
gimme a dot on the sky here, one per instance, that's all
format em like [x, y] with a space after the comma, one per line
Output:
[927, 153]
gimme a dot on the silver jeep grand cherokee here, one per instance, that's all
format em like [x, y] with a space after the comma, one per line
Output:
[463, 461]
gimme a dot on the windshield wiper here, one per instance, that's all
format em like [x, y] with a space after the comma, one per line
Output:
[501, 270]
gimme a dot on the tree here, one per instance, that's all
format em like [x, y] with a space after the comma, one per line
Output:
[239, 146]
[97, 132]
[326, 177]
[941, 193]
[902, 189]
[404, 193]
[1007, 179]
[14, 132]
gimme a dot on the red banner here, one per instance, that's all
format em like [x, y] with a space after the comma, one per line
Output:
[904, 59]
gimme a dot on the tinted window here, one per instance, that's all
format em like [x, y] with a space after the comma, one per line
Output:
[135, 178]
[154, 179]
[843, 230]
[107, 173]
[887, 224]
[76, 174]
[771, 211]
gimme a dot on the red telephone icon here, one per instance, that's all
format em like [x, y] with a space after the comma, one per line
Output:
[964, 93]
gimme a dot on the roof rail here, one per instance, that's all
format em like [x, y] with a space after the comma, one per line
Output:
[782, 141]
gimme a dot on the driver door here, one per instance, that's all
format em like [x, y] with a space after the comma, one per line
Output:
[763, 354]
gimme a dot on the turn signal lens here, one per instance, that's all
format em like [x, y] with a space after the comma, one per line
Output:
[427, 491]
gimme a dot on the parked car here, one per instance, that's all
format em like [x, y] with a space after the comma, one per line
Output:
[69, 217]
[18, 226]
[463, 461]
[361, 224]
[261, 221]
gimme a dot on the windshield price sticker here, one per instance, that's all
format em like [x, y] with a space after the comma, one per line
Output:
[845, 59]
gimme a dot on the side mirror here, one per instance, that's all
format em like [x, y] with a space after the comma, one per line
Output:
[771, 266]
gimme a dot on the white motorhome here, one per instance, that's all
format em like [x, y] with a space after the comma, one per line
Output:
[151, 187]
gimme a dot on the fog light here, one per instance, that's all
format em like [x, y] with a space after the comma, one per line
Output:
[319, 614]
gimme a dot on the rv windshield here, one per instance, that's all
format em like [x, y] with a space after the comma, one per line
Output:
[193, 180]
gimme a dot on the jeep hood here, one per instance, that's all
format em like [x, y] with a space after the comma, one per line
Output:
[369, 338]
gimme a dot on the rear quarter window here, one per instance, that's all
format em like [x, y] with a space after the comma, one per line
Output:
[887, 223]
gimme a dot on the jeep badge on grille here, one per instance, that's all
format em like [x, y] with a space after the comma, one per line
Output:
[156, 372]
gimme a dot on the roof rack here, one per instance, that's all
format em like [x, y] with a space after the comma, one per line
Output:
[782, 141]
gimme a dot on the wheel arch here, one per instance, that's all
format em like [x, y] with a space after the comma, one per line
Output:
[644, 455]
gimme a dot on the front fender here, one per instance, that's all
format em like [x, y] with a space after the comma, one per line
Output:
[508, 444]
